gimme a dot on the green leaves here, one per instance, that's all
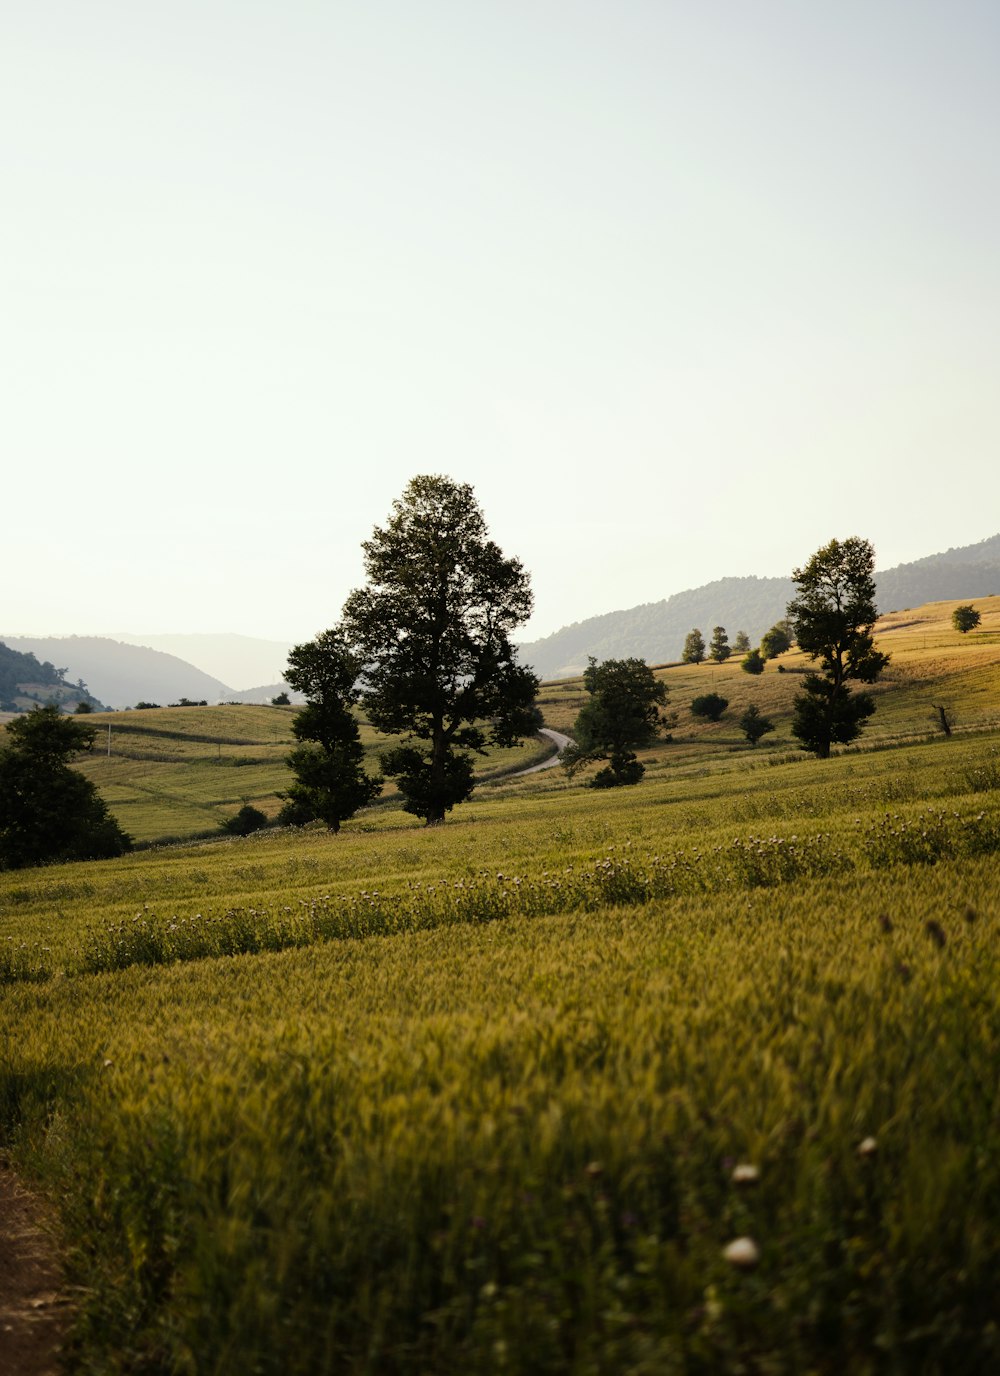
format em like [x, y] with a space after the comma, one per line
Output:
[431, 631]
[832, 619]
[49, 811]
[621, 716]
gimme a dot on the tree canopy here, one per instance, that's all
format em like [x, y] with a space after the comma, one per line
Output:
[49, 811]
[965, 618]
[754, 724]
[330, 780]
[777, 640]
[431, 632]
[709, 705]
[694, 647]
[622, 715]
[719, 648]
[832, 619]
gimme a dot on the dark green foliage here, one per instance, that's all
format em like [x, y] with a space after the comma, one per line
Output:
[753, 663]
[710, 705]
[694, 647]
[185, 702]
[719, 648]
[622, 715]
[146, 706]
[82, 709]
[832, 620]
[741, 644]
[248, 820]
[17, 668]
[281, 700]
[330, 781]
[827, 715]
[777, 640]
[754, 724]
[965, 618]
[49, 811]
[432, 631]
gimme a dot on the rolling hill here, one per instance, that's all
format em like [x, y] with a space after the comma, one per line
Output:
[655, 631]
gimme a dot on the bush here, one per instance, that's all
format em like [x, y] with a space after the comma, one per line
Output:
[248, 820]
[753, 663]
[709, 705]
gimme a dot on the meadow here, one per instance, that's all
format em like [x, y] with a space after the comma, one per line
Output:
[498, 1095]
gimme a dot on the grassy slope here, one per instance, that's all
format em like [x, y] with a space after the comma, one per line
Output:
[506, 1146]
[180, 772]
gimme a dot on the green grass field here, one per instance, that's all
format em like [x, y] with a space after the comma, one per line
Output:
[471, 1098]
[176, 772]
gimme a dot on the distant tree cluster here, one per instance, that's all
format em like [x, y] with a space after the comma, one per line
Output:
[831, 619]
[775, 642]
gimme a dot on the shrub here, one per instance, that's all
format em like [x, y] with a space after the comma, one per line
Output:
[709, 705]
[248, 820]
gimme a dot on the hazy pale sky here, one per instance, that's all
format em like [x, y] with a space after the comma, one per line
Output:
[683, 289]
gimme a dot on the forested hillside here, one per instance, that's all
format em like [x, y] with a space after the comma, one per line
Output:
[655, 631]
[25, 680]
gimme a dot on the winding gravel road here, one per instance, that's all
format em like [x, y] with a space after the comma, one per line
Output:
[558, 740]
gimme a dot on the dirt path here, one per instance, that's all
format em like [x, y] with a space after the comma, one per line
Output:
[558, 740]
[34, 1312]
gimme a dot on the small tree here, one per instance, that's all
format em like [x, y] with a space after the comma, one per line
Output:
[709, 705]
[833, 617]
[621, 716]
[330, 781]
[694, 648]
[432, 632]
[777, 640]
[965, 618]
[281, 700]
[741, 643]
[719, 649]
[754, 725]
[753, 663]
[49, 811]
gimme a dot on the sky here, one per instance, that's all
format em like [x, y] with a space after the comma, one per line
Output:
[684, 290]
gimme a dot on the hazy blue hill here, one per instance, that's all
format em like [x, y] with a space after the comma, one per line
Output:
[243, 660]
[123, 675]
[655, 631]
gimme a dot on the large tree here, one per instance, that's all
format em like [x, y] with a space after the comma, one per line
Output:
[621, 715]
[328, 764]
[49, 811]
[431, 631]
[832, 619]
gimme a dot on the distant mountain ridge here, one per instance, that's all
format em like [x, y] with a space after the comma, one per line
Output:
[655, 631]
[127, 674]
[123, 674]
